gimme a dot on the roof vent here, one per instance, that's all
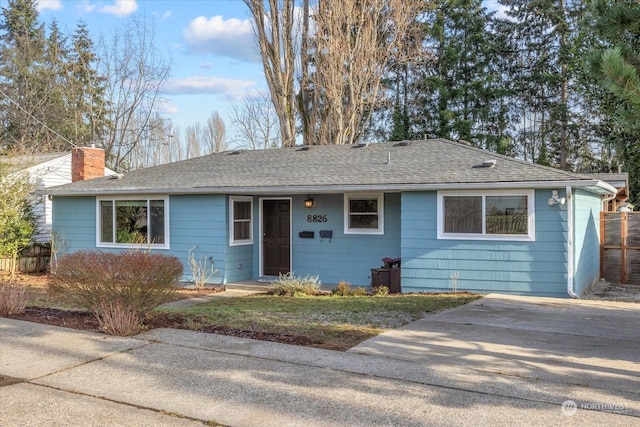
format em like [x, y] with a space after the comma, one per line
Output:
[303, 148]
[234, 152]
[363, 144]
[489, 163]
[404, 143]
[115, 176]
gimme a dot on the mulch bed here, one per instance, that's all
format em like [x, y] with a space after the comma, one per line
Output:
[86, 321]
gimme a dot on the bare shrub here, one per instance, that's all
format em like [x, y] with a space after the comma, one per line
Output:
[291, 285]
[116, 318]
[200, 272]
[95, 281]
[344, 289]
[13, 298]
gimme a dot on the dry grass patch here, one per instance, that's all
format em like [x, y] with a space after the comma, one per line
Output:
[325, 321]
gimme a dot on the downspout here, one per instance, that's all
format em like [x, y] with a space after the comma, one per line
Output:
[570, 291]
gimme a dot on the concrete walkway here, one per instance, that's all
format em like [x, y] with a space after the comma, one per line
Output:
[497, 361]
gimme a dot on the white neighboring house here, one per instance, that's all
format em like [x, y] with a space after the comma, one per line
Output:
[46, 170]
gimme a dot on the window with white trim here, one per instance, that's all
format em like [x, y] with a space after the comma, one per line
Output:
[131, 222]
[241, 220]
[364, 213]
[491, 215]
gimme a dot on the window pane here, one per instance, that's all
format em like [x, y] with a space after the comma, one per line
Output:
[106, 221]
[131, 221]
[241, 230]
[242, 210]
[157, 221]
[507, 215]
[363, 205]
[463, 214]
[363, 221]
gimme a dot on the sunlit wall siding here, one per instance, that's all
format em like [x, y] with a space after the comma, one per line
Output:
[348, 257]
[525, 268]
[587, 240]
[197, 223]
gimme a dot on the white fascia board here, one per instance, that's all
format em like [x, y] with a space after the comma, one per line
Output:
[595, 186]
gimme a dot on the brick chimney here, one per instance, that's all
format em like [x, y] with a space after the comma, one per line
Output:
[86, 163]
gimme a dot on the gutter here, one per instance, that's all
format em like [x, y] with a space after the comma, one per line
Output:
[570, 253]
[595, 186]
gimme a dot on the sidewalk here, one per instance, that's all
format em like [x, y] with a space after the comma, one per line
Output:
[178, 378]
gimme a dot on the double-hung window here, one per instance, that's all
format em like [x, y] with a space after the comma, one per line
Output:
[130, 222]
[491, 215]
[364, 213]
[241, 220]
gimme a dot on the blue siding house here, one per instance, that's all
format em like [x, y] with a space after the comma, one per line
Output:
[460, 218]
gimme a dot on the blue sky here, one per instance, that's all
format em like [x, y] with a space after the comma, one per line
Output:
[210, 44]
[209, 41]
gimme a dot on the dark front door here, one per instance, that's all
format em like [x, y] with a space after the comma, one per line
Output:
[276, 237]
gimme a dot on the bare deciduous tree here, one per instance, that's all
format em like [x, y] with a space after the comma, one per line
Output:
[256, 123]
[355, 41]
[160, 145]
[201, 140]
[134, 71]
[273, 28]
[215, 133]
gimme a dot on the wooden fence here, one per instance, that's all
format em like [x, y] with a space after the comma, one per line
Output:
[620, 247]
[35, 260]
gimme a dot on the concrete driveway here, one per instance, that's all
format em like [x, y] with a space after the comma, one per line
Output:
[497, 361]
[587, 352]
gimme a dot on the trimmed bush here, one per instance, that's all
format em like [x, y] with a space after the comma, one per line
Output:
[13, 298]
[290, 285]
[116, 286]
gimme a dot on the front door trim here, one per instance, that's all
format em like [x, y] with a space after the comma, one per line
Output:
[261, 233]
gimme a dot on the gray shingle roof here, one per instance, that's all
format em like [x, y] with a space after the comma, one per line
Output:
[25, 161]
[430, 164]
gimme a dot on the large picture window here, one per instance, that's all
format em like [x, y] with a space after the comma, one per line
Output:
[132, 222]
[486, 215]
[363, 214]
[241, 223]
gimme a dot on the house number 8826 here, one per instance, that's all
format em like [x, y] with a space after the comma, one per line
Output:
[316, 218]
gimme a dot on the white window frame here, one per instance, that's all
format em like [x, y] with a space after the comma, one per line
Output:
[113, 199]
[380, 199]
[232, 200]
[531, 232]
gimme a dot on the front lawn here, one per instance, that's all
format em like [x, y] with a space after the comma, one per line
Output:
[320, 321]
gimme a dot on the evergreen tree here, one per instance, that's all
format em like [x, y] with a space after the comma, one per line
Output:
[22, 55]
[549, 83]
[86, 90]
[615, 64]
[459, 91]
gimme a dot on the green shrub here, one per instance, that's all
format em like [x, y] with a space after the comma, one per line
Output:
[116, 286]
[290, 285]
[13, 298]
[344, 289]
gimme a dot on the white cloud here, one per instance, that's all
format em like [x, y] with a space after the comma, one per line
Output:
[231, 37]
[120, 8]
[166, 15]
[200, 85]
[165, 107]
[49, 4]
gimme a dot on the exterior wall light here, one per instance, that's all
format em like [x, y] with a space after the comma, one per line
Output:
[556, 199]
[308, 203]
